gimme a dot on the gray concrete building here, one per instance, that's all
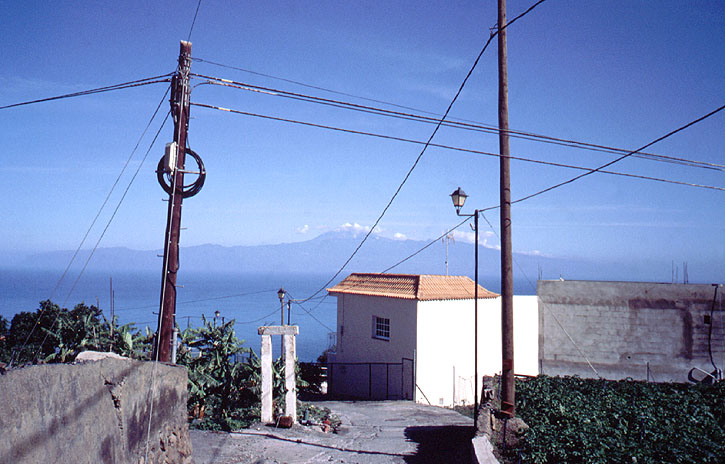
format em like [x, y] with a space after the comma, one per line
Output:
[647, 331]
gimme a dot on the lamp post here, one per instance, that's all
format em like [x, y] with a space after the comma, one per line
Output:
[280, 295]
[216, 316]
[459, 198]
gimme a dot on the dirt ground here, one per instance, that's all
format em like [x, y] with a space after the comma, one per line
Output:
[370, 432]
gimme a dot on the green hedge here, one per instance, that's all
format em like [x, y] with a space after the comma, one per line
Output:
[576, 420]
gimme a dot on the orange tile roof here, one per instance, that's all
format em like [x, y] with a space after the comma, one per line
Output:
[411, 287]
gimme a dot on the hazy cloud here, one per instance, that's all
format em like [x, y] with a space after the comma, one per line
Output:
[470, 237]
[357, 228]
[304, 229]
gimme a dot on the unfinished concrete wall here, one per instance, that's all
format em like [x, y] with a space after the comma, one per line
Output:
[647, 331]
[95, 412]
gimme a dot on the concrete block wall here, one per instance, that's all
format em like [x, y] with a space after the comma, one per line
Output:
[94, 412]
[629, 329]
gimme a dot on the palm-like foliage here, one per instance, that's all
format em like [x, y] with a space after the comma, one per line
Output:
[54, 334]
[223, 392]
[220, 392]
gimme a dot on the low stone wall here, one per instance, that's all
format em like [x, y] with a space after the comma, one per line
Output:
[95, 412]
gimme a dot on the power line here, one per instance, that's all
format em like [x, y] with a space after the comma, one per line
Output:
[113, 215]
[257, 320]
[569, 181]
[449, 147]
[108, 196]
[435, 240]
[430, 139]
[438, 125]
[336, 92]
[491, 226]
[589, 171]
[124, 85]
[193, 21]
[93, 222]
[521, 269]
[412, 168]
[309, 312]
[323, 298]
[477, 127]
[540, 192]
[310, 86]
[202, 300]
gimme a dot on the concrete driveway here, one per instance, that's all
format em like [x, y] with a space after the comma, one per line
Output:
[371, 432]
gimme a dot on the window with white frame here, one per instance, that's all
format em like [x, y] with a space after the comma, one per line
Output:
[381, 328]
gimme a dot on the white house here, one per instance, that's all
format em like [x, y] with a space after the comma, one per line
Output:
[412, 337]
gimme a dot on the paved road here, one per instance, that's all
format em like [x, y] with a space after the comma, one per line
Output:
[371, 432]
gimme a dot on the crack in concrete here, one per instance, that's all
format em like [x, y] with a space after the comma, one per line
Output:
[114, 390]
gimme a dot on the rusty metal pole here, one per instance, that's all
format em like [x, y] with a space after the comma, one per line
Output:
[507, 281]
[180, 94]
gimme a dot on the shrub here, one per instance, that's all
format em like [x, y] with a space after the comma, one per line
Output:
[599, 421]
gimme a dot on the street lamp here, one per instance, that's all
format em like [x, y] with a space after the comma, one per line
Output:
[280, 295]
[459, 198]
[216, 316]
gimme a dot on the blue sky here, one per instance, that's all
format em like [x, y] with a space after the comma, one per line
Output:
[616, 73]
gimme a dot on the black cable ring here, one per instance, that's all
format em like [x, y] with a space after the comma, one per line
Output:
[189, 190]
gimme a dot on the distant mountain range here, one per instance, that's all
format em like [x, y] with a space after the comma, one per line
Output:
[328, 252]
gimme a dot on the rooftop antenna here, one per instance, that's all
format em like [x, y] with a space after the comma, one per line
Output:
[447, 238]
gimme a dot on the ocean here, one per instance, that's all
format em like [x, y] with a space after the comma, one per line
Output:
[250, 299]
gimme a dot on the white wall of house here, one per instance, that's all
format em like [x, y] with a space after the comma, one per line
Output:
[356, 343]
[445, 346]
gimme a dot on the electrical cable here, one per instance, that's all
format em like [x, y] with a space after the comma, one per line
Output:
[408, 174]
[323, 298]
[448, 147]
[103, 233]
[193, 21]
[201, 300]
[586, 358]
[458, 125]
[430, 139]
[573, 179]
[124, 85]
[309, 312]
[257, 320]
[589, 171]
[200, 60]
[426, 246]
[93, 222]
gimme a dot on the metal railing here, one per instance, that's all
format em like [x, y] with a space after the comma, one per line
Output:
[349, 385]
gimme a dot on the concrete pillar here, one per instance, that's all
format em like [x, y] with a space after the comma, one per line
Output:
[266, 379]
[290, 384]
[289, 332]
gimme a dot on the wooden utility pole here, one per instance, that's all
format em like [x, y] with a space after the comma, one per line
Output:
[507, 280]
[180, 94]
